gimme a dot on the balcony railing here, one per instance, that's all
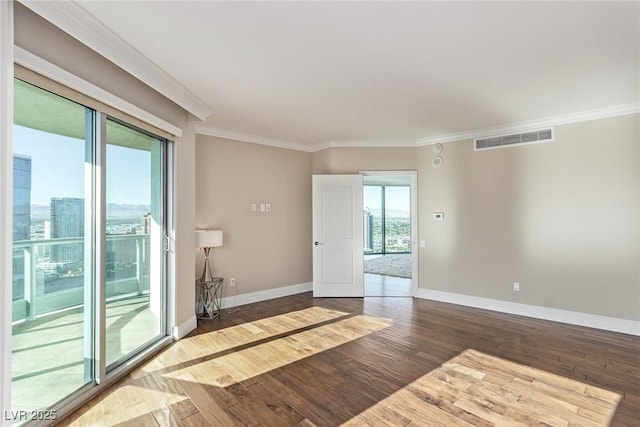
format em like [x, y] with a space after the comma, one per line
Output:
[49, 275]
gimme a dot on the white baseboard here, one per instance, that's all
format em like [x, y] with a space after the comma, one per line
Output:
[183, 329]
[284, 291]
[564, 316]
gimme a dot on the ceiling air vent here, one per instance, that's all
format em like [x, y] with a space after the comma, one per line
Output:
[531, 137]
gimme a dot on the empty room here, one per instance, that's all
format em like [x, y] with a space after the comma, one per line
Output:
[278, 213]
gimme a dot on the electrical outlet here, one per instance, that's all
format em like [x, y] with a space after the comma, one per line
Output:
[233, 282]
[516, 286]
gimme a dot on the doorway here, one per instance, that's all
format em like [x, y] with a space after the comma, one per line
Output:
[389, 235]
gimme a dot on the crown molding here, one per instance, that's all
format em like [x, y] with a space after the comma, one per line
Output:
[601, 113]
[371, 143]
[74, 20]
[202, 129]
[582, 116]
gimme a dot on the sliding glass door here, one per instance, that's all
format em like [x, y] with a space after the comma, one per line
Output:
[134, 243]
[89, 283]
[50, 276]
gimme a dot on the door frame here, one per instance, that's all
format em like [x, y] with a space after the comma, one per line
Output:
[413, 188]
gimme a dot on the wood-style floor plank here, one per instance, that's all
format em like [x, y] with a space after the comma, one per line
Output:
[300, 361]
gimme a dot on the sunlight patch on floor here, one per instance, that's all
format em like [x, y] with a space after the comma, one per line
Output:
[474, 388]
[213, 342]
[127, 403]
[251, 362]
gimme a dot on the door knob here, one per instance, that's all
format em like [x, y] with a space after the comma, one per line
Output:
[318, 243]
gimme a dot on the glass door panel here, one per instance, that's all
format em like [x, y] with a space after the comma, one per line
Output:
[387, 219]
[373, 204]
[135, 291]
[52, 340]
[397, 219]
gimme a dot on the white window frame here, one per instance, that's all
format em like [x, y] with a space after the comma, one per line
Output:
[6, 201]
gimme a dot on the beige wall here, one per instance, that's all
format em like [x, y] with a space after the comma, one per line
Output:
[561, 218]
[269, 250]
[261, 250]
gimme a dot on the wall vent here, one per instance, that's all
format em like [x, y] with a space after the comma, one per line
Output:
[531, 137]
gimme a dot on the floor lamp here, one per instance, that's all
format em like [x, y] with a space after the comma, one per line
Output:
[207, 240]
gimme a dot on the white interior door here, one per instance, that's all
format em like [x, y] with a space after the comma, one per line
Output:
[337, 236]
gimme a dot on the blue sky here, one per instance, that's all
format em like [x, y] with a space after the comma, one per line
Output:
[396, 198]
[57, 168]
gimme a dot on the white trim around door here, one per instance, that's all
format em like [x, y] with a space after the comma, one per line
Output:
[413, 175]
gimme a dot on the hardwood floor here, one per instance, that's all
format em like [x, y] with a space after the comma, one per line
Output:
[300, 361]
[379, 285]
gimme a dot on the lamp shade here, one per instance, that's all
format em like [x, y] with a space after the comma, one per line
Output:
[208, 238]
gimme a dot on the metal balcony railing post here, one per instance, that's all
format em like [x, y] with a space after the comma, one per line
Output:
[140, 264]
[29, 283]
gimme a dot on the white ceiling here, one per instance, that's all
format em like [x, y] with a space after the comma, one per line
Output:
[316, 74]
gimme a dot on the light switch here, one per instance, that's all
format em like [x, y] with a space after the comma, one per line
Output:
[262, 207]
[438, 216]
[253, 207]
[268, 207]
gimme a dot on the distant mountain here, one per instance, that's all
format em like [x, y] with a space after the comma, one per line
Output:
[391, 213]
[40, 212]
[114, 210]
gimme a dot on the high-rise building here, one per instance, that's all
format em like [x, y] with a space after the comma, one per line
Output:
[146, 224]
[67, 220]
[21, 218]
[21, 197]
[368, 230]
